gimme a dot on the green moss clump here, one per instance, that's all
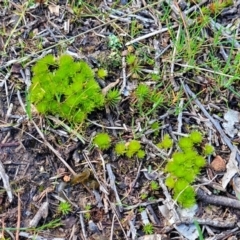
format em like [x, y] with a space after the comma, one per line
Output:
[185, 143]
[196, 137]
[61, 86]
[120, 148]
[184, 166]
[102, 140]
[166, 143]
[208, 149]
[130, 149]
[133, 148]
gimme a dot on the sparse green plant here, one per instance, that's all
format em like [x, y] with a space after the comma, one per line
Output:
[102, 141]
[66, 88]
[143, 196]
[130, 59]
[154, 185]
[87, 208]
[148, 228]
[113, 97]
[141, 209]
[134, 65]
[148, 100]
[142, 92]
[102, 73]
[114, 42]
[64, 208]
[155, 126]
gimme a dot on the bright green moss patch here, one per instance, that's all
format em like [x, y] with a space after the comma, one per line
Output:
[184, 166]
[61, 86]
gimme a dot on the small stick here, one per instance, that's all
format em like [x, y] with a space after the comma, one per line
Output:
[53, 150]
[81, 219]
[180, 117]
[18, 217]
[162, 30]
[6, 183]
[218, 200]
[124, 75]
[9, 144]
[220, 223]
[113, 186]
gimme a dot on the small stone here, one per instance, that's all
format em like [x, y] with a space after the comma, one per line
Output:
[218, 164]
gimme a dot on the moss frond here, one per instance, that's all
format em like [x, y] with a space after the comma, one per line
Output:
[170, 182]
[102, 73]
[141, 154]
[200, 161]
[180, 185]
[102, 140]
[186, 198]
[120, 148]
[171, 167]
[66, 61]
[134, 146]
[185, 143]
[190, 176]
[191, 155]
[179, 158]
[179, 171]
[196, 137]
[208, 149]
[166, 143]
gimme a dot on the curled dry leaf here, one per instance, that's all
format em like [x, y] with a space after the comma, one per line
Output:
[218, 164]
[232, 168]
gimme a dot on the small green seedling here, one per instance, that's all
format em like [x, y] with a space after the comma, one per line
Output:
[113, 97]
[64, 208]
[87, 208]
[102, 73]
[154, 185]
[148, 228]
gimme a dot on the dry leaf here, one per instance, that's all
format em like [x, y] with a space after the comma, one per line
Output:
[236, 186]
[232, 168]
[218, 164]
[232, 117]
[54, 9]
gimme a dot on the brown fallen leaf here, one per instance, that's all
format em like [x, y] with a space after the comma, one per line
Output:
[218, 164]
